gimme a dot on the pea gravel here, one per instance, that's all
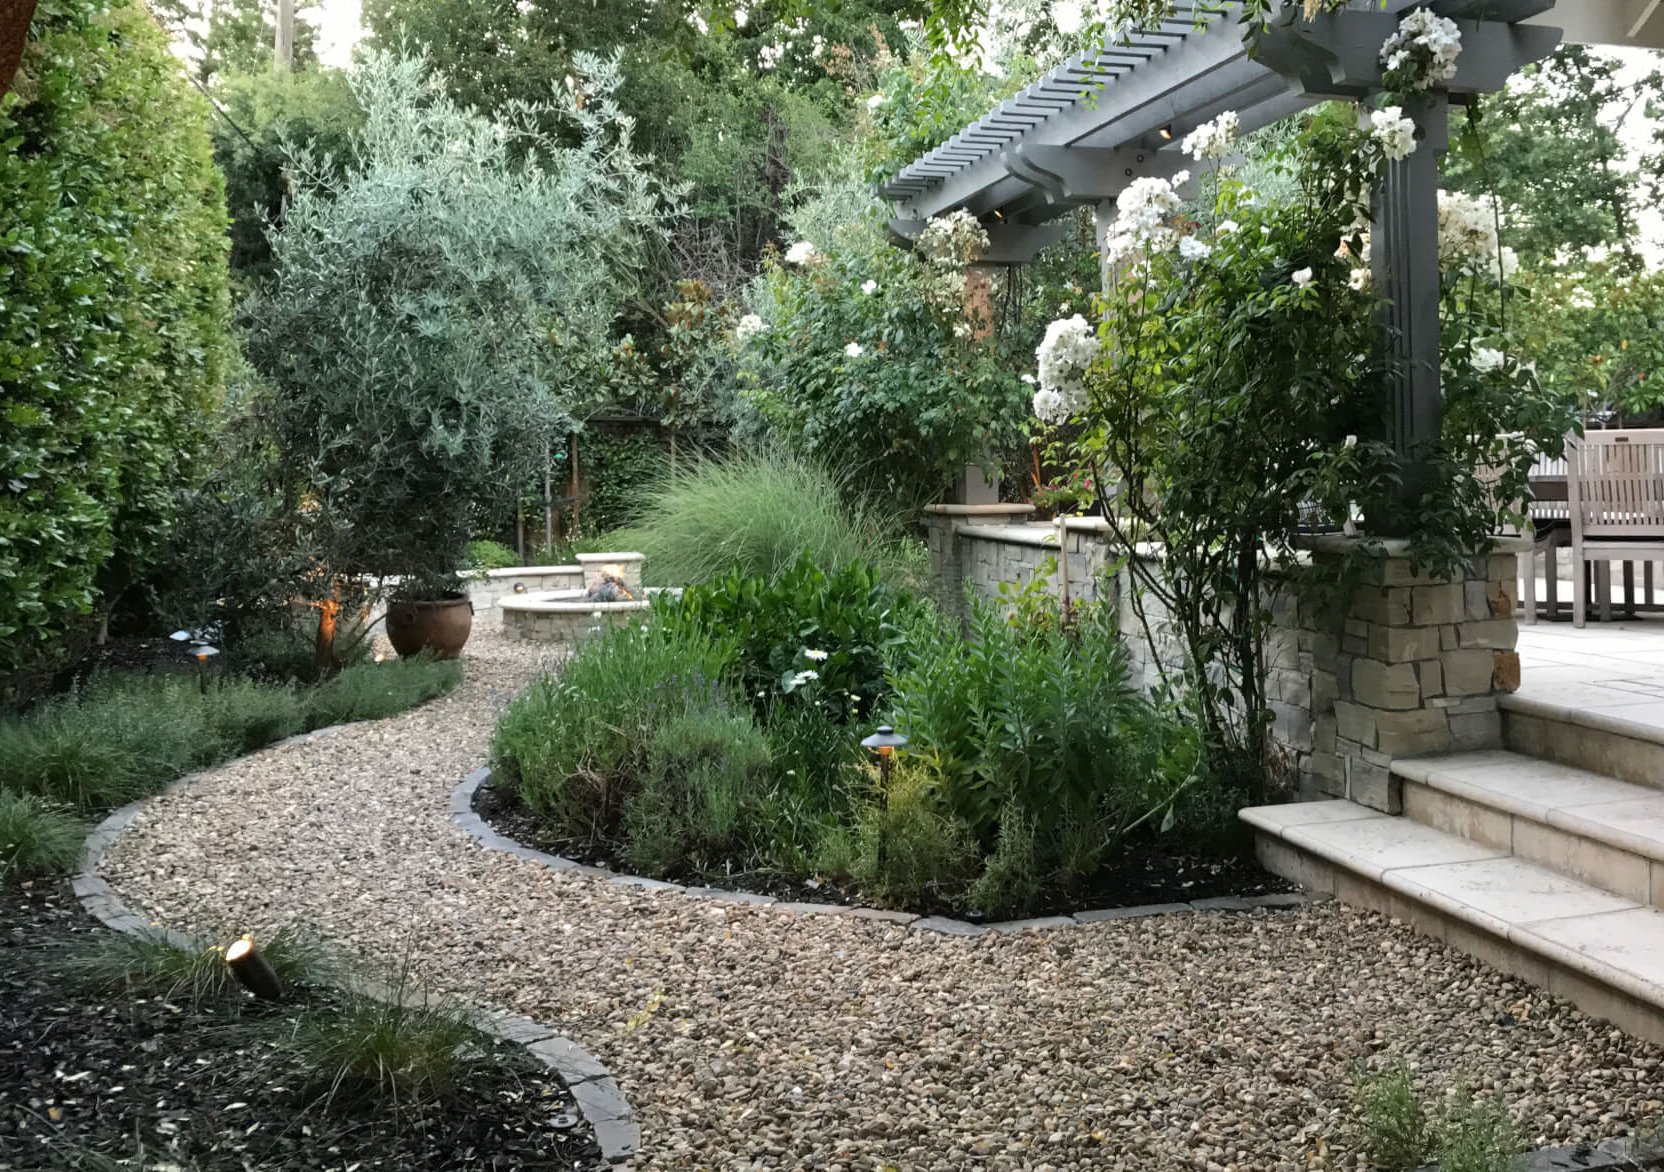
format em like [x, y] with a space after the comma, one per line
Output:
[748, 1038]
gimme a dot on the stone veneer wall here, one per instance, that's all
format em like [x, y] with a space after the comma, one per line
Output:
[1410, 665]
[569, 627]
[490, 590]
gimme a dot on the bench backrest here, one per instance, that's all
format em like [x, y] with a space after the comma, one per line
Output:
[1615, 483]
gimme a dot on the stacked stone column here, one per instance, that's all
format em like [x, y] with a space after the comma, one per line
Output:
[1412, 666]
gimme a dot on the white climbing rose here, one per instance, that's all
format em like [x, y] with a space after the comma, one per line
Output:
[800, 253]
[1303, 278]
[1395, 133]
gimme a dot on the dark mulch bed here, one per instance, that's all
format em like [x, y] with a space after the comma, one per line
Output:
[86, 1081]
[1147, 874]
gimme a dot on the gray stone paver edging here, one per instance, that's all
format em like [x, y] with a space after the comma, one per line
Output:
[462, 813]
[593, 1088]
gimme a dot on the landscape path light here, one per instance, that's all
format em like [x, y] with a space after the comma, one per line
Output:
[885, 743]
[253, 971]
[203, 652]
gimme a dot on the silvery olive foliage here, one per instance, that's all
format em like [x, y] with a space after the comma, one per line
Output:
[437, 302]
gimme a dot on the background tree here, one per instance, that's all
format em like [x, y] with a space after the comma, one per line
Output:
[434, 309]
[225, 37]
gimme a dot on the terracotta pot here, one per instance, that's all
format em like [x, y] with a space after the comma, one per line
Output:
[441, 627]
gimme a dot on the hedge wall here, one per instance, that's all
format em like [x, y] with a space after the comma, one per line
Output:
[114, 311]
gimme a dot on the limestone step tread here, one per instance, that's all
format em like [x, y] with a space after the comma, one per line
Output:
[1607, 720]
[1591, 805]
[1605, 937]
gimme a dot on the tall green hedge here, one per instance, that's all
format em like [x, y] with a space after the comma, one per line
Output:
[114, 311]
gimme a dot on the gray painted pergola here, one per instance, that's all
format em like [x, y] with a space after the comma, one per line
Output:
[1083, 132]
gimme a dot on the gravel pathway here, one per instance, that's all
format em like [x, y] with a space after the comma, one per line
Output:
[747, 1038]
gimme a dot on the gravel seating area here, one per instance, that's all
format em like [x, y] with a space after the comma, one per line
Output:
[748, 1038]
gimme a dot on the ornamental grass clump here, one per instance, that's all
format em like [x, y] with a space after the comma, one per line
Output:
[754, 515]
[37, 836]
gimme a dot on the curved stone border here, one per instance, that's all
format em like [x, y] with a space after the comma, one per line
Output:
[593, 1088]
[462, 813]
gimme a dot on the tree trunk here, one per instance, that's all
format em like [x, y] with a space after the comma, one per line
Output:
[15, 18]
[324, 658]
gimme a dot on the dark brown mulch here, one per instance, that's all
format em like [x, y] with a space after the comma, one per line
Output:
[88, 1081]
[1146, 873]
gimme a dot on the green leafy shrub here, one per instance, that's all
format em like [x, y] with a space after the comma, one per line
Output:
[1396, 1134]
[241, 715]
[37, 837]
[905, 850]
[753, 515]
[115, 332]
[1477, 1135]
[371, 691]
[807, 634]
[1039, 723]
[707, 772]
[867, 360]
[490, 555]
[576, 745]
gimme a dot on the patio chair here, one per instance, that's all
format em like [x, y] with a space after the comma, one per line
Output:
[1615, 492]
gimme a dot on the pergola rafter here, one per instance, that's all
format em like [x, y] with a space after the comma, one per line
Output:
[1104, 118]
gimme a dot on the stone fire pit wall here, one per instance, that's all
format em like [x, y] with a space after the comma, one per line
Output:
[1411, 665]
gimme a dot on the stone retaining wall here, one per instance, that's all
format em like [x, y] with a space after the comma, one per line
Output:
[1409, 665]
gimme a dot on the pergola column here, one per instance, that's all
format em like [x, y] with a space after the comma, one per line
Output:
[1404, 267]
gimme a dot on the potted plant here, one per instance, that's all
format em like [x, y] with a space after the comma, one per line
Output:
[429, 313]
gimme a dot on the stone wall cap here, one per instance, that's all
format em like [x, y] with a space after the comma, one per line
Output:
[591, 558]
[1012, 510]
[528, 571]
[1394, 547]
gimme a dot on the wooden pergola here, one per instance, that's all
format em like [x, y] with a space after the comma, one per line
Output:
[1083, 132]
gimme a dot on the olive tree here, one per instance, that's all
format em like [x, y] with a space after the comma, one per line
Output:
[435, 300]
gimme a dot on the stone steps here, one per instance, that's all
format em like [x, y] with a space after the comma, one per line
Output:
[1587, 825]
[1602, 950]
[1629, 750]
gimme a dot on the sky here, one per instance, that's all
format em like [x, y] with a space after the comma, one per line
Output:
[338, 30]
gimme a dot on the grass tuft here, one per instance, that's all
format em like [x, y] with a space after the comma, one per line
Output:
[403, 1050]
[1396, 1133]
[149, 965]
[372, 691]
[37, 836]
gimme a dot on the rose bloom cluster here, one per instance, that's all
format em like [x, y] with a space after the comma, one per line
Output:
[1064, 355]
[1426, 44]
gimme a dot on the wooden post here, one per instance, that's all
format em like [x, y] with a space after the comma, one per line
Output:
[548, 505]
[1405, 269]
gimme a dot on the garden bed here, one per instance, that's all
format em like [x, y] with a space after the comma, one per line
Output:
[87, 1078]
[1146, 875]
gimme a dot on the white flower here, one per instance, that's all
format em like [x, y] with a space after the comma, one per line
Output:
[1191, 248]
[769, 55]
[749, 327]
[698, 22]
[1303, 278]
[854, 350]
[804, 677]
[1265, 229]
[1214, 140]
[1067, 351]
[817, 656]
[1395, 133]
[1467, 237]
[962, 329]
[1143, 220]
[1510, 262]
[1049, 407]
[1351, 442]
[1486, 360]
[1029, 379]
[1426, 45]
[1067, 16]
[874, 102]
[800, 253]
[741, 16]
[1179, 179]
[1226, 228]
[1359, 279]
[869, 287]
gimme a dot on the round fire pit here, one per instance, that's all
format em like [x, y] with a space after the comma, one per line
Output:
[612, 596]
